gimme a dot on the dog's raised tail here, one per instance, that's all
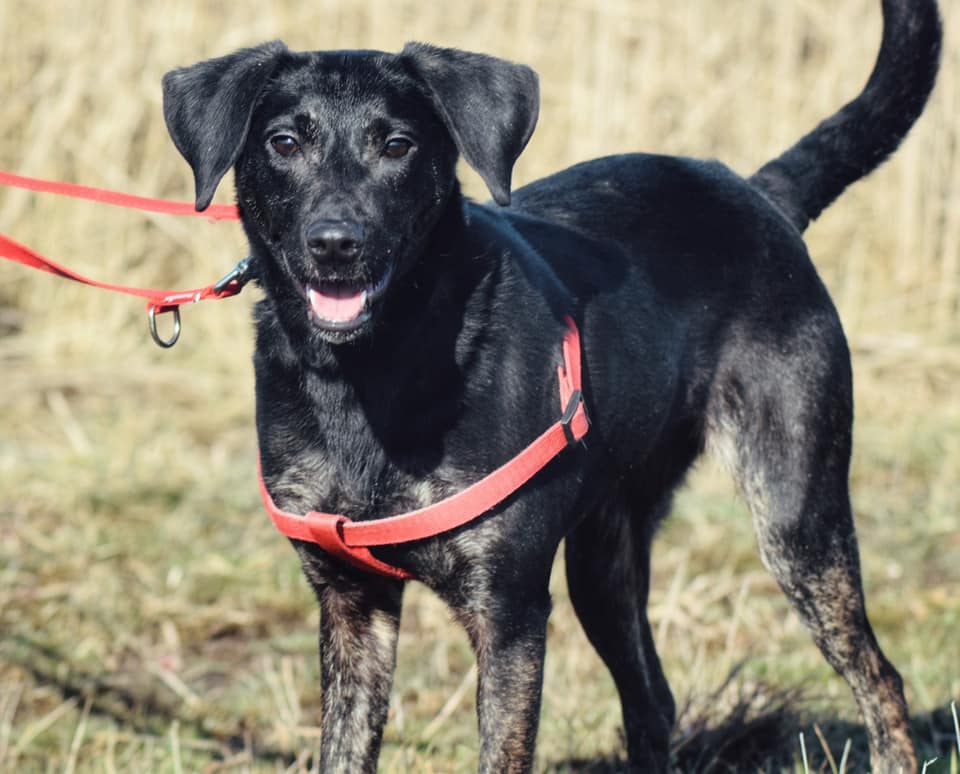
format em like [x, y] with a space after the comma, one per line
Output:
[806, 178]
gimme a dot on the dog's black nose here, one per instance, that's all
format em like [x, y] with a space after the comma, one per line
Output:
[334, 240]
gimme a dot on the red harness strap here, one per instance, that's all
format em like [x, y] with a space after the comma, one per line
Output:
[350, 540]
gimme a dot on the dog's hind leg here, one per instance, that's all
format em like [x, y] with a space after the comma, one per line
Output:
[783, 423]
[608, 573]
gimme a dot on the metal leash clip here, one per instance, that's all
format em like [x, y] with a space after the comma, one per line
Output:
[229, 284]
[241, 274]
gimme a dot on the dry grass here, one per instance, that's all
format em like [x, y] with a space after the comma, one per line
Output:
[150, 620]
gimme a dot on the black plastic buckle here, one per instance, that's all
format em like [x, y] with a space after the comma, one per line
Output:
[576, 398]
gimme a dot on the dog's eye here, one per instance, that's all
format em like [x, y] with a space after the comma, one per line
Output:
[284, 144]
[397, 147]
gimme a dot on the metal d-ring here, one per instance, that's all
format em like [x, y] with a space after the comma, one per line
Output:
[165, 343]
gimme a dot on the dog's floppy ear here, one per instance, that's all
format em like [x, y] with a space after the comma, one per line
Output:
[489, 107]
[208, 106]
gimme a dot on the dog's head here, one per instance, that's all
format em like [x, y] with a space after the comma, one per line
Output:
[344, 160]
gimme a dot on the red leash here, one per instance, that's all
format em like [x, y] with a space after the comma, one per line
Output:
[342, 537]
[158, 301]
[117, 198]
[350, 540]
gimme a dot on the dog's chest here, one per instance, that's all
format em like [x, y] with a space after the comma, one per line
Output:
[318, 480]
[329, 451]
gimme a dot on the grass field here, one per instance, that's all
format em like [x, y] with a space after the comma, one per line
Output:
[150, 618]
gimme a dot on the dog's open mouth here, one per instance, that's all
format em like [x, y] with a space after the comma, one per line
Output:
[344, 305]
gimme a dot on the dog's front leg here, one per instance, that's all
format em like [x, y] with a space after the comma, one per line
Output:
[359, 619]
[509, 638]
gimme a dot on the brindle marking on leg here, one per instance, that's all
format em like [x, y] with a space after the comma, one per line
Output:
[804, 527]
[508, 635]
[359, 623]
[510, 677]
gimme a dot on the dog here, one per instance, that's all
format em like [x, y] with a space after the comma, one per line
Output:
[408, 341]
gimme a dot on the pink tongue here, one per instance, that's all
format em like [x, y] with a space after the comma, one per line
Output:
[339, 304]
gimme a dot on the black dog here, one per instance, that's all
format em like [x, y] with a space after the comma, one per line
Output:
[409, 340]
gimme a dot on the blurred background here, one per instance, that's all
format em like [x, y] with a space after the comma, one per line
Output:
[150, 618]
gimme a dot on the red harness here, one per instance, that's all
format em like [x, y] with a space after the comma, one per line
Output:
[351, 540]
[342, 537]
